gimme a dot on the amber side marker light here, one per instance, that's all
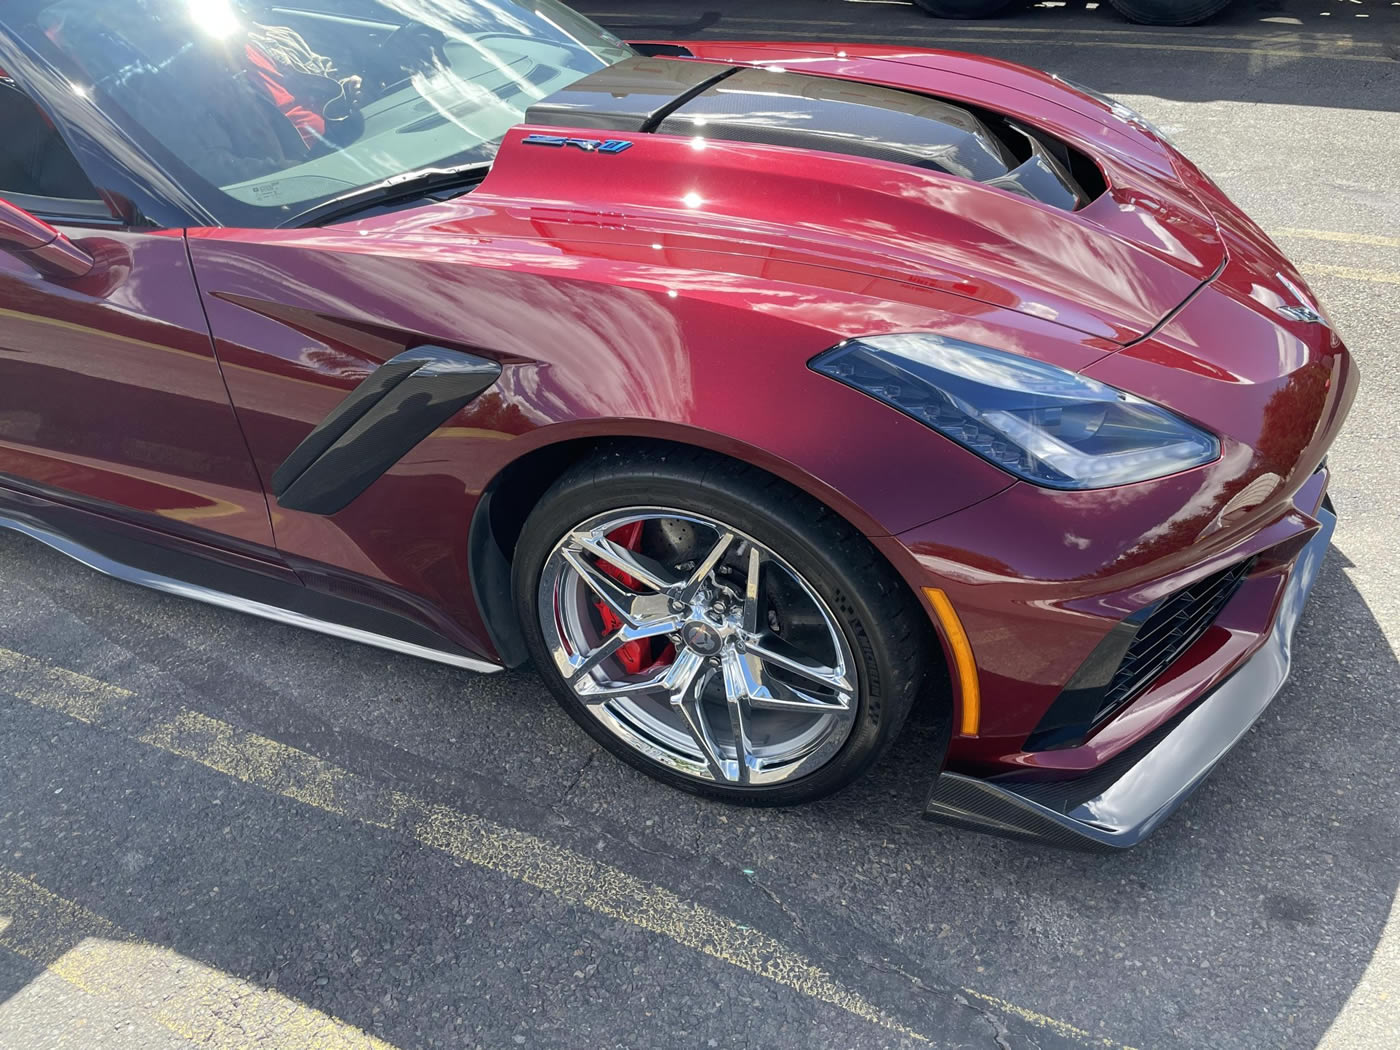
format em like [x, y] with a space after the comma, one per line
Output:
[957, 641]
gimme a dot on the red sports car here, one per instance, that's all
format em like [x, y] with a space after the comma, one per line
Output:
[752, 391]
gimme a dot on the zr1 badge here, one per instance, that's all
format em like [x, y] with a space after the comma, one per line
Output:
[587, 145]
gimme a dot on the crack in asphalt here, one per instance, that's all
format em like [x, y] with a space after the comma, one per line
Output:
[1000, 1033]
[792, 916]
[573, 783]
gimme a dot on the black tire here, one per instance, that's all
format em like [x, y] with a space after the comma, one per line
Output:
[1168, 12]
[964, 8]
[890, 640]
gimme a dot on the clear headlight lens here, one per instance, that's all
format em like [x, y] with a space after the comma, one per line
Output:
[1039, 422]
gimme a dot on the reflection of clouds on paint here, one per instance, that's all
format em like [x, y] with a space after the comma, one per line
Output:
[1166, 240]
[605, 351]
[247, 282]
[1056, 251]
[602, 328]
[1235, 462]
[1247, 498]
[619, 346]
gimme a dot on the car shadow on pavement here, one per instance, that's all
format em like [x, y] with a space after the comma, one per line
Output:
[1264, 896]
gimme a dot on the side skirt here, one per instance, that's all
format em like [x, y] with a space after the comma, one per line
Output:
[258, 589]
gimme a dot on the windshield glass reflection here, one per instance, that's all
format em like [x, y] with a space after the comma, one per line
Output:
[275, 107]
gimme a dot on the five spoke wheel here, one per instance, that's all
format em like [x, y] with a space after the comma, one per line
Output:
[697, 646]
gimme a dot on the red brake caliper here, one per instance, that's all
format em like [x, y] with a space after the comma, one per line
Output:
[640, 655]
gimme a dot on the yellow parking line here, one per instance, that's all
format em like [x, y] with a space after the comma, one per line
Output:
[1060, 1028]
[189, 998]
[941, 39]
[1351, 273]
[1345, 238]
[576, 879]
[75, 695]
[572, 877]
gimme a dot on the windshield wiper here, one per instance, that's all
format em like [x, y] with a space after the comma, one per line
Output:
[393, 190]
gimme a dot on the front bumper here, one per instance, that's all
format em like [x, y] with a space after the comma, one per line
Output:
[1118, 804]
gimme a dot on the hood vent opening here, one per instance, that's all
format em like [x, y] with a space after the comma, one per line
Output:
[1047, 169]
[868, 120]
[690, 97]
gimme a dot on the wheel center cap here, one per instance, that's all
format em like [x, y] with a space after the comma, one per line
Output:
[701, 637]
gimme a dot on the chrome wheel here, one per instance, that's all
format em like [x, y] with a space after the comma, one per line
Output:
[697, 646]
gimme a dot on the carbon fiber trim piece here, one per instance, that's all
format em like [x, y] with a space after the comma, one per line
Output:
[840, 116]
[1125, 809]
[396, 406]
[631, 95]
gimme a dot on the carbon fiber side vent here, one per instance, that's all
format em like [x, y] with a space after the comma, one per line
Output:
[396, 406]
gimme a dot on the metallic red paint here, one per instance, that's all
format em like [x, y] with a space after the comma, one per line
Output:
[1275, 390]
[591, 347]
[675, 292]
[109, 389]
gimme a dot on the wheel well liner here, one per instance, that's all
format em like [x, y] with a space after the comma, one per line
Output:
[500, 514]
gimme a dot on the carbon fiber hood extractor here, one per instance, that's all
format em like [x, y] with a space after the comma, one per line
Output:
[747, 104]
[999, 188]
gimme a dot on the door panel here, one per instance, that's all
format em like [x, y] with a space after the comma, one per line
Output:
[109, 390]
[297, 329]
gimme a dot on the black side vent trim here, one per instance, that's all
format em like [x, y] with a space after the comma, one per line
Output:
[1173, 627]
[1132, 656]
[396, 406]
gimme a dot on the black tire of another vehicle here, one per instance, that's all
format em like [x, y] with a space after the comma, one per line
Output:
[1168, 12]
[964, 8]
[889, 638]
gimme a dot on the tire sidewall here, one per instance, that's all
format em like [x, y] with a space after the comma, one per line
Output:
[964, 8]
[798, 542]
[1168, 12]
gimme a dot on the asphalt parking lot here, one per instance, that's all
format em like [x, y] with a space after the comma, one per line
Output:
[225, 832]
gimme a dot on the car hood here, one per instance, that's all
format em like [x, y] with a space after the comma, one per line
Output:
[1007, 188]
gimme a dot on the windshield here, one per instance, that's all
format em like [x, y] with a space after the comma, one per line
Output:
[269, 109]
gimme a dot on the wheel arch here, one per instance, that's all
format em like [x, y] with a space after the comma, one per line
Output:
[511, 494]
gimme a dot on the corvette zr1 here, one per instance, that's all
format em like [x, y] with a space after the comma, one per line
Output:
[751, 391]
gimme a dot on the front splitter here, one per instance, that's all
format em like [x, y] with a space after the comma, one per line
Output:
[1120, 804]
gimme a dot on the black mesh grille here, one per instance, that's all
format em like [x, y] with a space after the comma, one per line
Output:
[1171, 628]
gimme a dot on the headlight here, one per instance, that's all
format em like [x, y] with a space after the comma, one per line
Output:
[1039, 422]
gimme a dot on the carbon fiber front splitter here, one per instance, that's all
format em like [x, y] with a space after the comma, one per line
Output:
[1121, 803]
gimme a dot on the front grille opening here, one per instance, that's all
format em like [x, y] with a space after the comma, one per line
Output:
[1171, 627]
